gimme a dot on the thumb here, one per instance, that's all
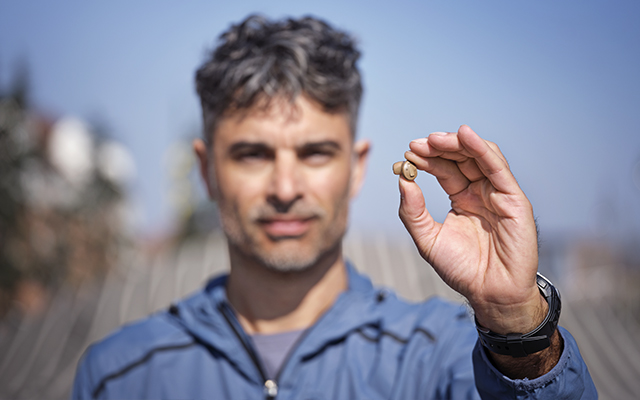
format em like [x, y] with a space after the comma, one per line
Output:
[416, 218]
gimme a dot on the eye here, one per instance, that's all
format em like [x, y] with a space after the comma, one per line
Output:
[251, 153]
[318, 154]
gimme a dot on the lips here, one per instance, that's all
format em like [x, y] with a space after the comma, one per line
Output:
[286, 228]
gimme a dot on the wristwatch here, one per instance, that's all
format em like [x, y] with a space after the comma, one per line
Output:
[521, 345]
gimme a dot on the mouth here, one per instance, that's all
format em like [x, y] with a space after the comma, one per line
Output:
[286, 228]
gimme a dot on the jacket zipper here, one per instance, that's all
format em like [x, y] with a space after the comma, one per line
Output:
[290, 352]
[270, 386]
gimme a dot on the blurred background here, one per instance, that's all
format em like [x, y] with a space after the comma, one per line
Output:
[103, 219]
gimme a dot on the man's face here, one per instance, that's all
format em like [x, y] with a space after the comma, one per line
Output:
[283, 178]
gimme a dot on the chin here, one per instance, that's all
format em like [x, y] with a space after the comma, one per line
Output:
[288, 260]
[291, 255]
[296, 257]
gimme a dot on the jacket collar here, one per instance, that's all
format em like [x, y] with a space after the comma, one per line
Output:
[207, 315]
[201, 315]
[353, 309]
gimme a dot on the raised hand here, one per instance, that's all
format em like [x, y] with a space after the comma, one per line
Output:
[486, 248]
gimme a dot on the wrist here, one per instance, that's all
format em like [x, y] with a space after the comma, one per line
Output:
[508, 318]
[516, 343]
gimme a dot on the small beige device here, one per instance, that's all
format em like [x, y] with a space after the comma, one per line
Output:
[406, 169]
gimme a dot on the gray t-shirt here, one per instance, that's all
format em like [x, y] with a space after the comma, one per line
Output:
[272, 349]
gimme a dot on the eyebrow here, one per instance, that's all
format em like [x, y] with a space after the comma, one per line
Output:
[242, 145]
[320, 145]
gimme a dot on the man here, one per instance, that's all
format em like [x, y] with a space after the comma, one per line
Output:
[292, 319]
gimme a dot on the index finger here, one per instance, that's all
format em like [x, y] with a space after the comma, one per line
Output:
[447, 145]
[467, 143]
[440, 144]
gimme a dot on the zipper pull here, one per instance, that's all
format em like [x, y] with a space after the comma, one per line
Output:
[270, 389]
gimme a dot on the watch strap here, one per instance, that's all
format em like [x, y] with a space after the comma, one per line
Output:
[521, 345]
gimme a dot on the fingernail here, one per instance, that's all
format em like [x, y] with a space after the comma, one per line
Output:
[439, 133]
[420, 141]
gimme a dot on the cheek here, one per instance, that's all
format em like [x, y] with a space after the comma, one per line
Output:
[332, 188]
[239, 192]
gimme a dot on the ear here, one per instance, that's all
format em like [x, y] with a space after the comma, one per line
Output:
[359, 168]
[205, 164]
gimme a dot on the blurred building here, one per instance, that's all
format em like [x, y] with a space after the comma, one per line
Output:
[63, 206]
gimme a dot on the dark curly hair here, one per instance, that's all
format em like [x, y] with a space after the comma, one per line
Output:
[259, 60]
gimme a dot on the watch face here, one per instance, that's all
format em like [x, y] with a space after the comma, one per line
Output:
[545, 286]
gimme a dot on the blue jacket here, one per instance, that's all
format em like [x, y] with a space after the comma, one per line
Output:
[369, 345]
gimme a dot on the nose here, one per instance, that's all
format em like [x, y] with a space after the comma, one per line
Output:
[286, 182]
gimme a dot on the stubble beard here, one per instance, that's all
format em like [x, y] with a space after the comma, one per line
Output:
[287, 255]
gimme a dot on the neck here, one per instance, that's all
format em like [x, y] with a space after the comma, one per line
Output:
[268, 301]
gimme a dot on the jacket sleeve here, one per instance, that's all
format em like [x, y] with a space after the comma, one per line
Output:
[82, 384]
[569, 379]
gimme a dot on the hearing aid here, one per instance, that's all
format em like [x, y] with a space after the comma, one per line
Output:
[406, 169]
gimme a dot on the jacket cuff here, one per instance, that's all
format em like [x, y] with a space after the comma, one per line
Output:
[569, 378]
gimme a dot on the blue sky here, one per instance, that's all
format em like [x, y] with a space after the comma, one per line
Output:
[555, 84]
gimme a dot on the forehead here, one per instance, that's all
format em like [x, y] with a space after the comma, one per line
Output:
[283, 123]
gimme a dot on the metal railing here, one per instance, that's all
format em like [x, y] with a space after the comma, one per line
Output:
[39, 354]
